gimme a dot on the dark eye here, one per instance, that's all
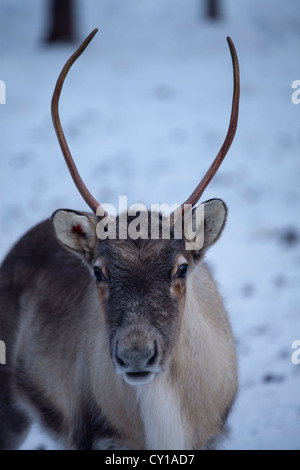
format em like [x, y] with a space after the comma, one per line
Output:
[98, 274]
[182, 270]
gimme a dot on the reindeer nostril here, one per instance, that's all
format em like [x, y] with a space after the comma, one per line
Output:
[154, 356]
[119, 360]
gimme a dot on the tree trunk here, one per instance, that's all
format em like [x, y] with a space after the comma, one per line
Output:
[213, 9]
[61, 21]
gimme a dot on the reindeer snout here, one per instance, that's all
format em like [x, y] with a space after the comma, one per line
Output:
[136, 361]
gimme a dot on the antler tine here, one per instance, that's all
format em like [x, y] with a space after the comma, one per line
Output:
[197, 193]
[89, 199]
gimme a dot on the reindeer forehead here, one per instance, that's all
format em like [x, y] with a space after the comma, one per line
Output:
[140, 255]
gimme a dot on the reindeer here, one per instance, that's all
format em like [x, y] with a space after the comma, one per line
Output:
[116, 343]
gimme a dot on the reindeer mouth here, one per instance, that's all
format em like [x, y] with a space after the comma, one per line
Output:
[139, 378]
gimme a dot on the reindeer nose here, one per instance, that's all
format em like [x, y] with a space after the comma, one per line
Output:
[136, 359]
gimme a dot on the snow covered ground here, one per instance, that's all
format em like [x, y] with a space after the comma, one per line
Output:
[145, 110]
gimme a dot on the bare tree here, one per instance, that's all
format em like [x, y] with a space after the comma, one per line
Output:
[212, 9]
[62, 27]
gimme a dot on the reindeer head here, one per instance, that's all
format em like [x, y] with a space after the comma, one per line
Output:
[142, 278]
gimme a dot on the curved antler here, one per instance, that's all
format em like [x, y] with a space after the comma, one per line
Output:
[197, 193]
[89, 199]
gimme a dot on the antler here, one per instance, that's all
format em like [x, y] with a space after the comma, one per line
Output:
[197, 193]
[89, 199]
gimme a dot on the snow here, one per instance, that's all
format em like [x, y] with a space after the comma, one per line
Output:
[145, 110]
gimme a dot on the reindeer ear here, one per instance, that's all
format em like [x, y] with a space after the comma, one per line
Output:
[76, 231]
[215, 214]
[207, 221]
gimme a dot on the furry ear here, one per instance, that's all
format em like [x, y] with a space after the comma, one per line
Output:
[76, 231]
[215, 214]
[208, 220]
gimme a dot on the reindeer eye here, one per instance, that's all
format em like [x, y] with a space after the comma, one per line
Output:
[98, 274]
[182, 270]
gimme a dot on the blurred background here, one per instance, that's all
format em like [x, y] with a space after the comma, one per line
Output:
[145, 110]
